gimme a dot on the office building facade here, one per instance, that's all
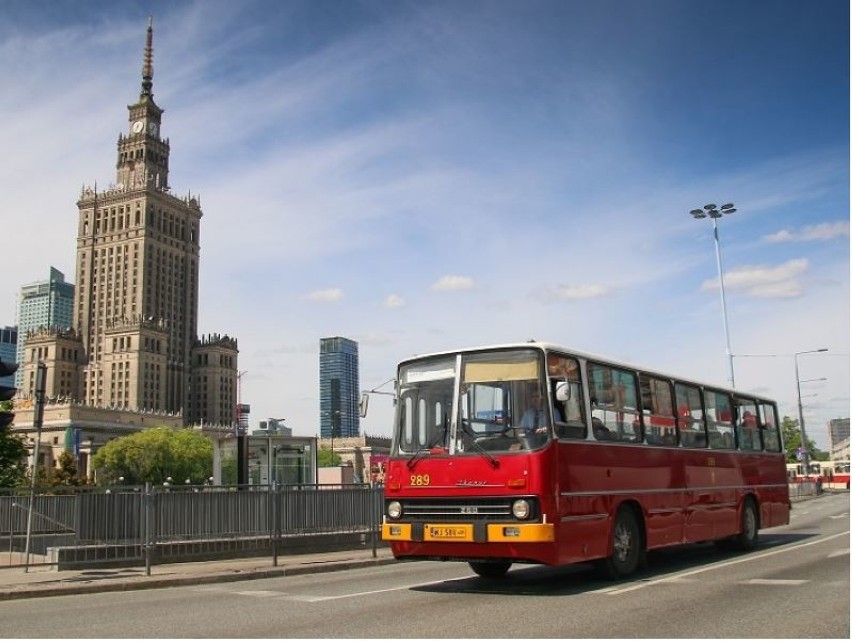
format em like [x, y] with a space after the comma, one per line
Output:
[43, 305]
[8, 352]
[838, 439]
[339, 388]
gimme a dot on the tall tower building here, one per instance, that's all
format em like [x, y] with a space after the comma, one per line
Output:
[132, 344]
[43, 305]
[137, 269]
[339, 388]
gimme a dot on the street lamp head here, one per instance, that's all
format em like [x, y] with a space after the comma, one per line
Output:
[712, 211]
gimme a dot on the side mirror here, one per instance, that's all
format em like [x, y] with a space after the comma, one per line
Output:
[362, 405]
[562, 391]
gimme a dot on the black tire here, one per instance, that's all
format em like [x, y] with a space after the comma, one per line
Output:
[749, 527]
[490, 569]
[627, 550]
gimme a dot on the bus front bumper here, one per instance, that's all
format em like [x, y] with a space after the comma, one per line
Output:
[469, 532]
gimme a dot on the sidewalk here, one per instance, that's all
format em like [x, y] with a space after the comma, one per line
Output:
[41, 581]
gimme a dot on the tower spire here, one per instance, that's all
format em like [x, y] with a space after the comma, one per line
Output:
[148, 60]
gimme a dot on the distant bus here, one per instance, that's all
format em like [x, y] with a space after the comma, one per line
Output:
[626, 460]
[834, 475]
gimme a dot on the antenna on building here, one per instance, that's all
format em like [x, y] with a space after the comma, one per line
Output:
[148, 60]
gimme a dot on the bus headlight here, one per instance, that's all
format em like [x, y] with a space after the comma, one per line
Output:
[394, 509]
[521, 509]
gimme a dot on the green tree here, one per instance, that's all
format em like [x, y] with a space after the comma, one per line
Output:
[154, 455]
[327, 458]
[13, 454]
[792, 436]
[66, 473]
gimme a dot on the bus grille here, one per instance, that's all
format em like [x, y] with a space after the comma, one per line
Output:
[458, 509]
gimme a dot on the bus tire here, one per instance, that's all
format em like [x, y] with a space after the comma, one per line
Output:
[626, 546]
[490, 569]
[749, 526]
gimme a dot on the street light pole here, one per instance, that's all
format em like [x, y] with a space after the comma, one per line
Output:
[713, 213]
[806, 459]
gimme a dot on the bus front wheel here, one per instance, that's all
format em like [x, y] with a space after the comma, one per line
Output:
[626, 546]
[490, 569]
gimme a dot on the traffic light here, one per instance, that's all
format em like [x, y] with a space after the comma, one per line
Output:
[7, 393]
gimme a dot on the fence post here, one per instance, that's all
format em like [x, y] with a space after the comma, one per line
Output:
[374, 527]
[275, 531]
[146, 526]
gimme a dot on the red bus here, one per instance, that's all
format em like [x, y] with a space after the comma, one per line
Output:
[535, 453]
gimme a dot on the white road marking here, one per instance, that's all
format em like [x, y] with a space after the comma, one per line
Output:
[774, 582]
[350, 595]
[263, 593]
[839, 553]
[716, 566]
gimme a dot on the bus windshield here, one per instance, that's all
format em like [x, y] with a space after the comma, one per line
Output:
[478, 403]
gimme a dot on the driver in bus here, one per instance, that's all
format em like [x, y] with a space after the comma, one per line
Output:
[534, 419]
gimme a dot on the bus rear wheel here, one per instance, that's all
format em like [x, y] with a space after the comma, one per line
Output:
[749, 525]
[626, 546]
[490, 569]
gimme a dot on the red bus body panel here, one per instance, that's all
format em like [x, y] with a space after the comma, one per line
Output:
[683, 495]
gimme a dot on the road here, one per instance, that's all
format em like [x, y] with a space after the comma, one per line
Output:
[795, 585]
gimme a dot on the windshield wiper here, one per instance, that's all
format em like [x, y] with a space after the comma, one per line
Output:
[476, 446]
[442, 435]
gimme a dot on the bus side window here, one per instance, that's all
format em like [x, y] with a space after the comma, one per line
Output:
[748, 434]
[769, 427]
[690, 416]
[720, 428]
[567, 394]
[613, 392]
[657, 411]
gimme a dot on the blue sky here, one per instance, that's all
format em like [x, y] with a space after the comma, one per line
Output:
[428, 175]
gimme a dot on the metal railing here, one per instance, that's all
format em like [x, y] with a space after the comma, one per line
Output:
[135, 525]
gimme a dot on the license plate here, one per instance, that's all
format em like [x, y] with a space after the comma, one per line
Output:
[448, 533]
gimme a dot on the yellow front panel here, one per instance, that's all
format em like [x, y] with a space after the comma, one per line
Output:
[527, 533]
[404, 533]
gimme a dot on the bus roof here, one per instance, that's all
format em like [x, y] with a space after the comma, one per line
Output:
[547, 346]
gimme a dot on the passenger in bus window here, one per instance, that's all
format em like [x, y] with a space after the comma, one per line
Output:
[600, 431]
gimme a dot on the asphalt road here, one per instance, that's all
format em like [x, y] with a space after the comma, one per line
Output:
[796, 585]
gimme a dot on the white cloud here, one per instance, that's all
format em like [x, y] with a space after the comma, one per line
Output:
[452, 283]
[821, 232]
[393, 301]
[764, 281]
[326, 295]
[572, 292]
[782, 236]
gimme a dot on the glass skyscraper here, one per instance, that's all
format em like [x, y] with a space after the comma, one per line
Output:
[8, 352]
[339, 388]
[48, 303]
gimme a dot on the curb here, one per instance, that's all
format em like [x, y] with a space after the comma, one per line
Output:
[146, 583]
